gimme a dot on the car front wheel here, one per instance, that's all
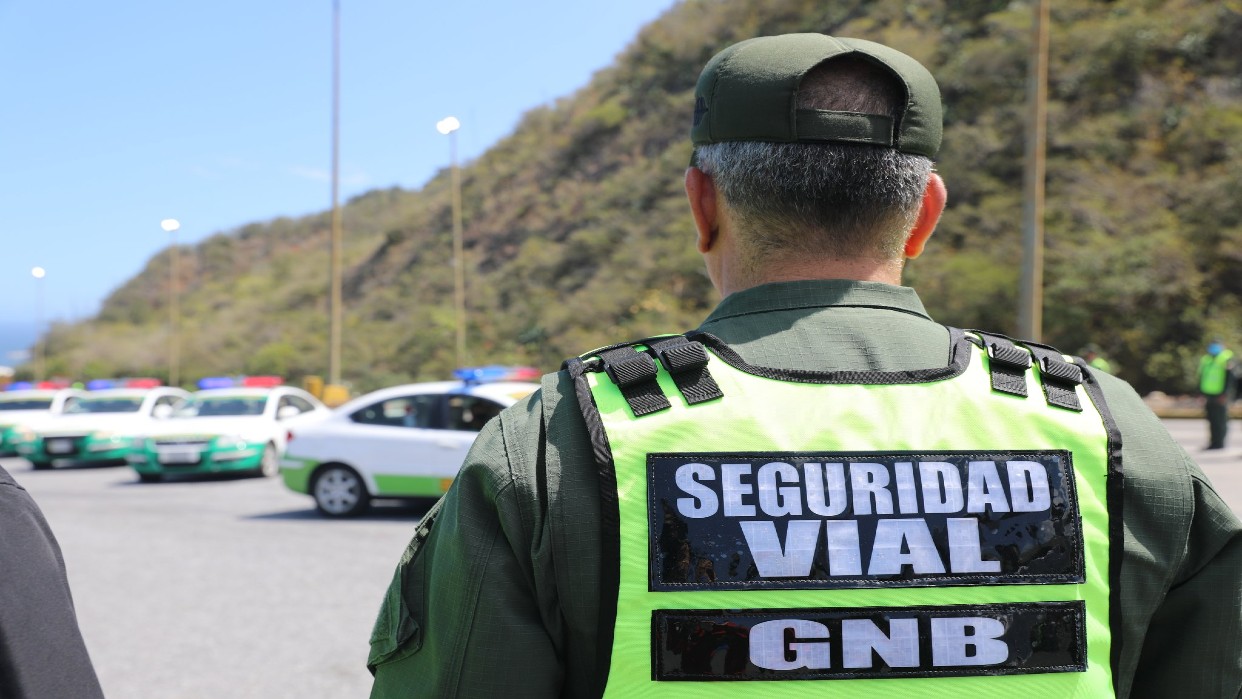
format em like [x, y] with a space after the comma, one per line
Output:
[340, 492]
[269, 464]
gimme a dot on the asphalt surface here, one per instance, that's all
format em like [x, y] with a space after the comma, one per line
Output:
[218, 588]
[236, 589]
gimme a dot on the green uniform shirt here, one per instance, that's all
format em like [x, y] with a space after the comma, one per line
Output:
[499, 595]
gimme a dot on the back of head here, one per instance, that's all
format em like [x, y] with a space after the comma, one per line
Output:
[839, 171]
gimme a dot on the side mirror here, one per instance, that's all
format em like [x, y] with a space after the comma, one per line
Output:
[162, 411]
[287, 412]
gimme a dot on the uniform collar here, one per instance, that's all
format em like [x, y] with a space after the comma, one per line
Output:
[812, 294]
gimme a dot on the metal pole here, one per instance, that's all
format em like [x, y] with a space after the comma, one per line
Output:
[41, 357]
[174, 319]
[1031, 304]
[459, 280]
[334, 302]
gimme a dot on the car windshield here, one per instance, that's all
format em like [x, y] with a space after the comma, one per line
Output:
[222, 406]
[26, 404]
[107, 405]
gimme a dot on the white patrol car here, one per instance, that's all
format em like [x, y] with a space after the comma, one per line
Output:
[99, 427]
[224, 429]
[27, 408]
[401, 442]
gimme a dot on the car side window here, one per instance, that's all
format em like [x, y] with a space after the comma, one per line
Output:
[70, 402]
[470, 413]
[301, 403]
[405, 411]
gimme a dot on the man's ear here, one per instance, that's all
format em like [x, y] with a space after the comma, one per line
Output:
[934, 198]
[701, 191]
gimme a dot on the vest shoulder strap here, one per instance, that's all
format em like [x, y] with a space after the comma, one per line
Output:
[1009, 360]
[632, 367]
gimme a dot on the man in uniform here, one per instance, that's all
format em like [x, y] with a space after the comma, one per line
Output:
[821, 490]
[1216, 383]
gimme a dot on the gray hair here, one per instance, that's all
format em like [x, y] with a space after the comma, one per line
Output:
[824, 199]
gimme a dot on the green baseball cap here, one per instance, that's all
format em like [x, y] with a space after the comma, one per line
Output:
[749, 92]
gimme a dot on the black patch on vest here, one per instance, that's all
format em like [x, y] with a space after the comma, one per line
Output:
[817, 520]
[868, 643]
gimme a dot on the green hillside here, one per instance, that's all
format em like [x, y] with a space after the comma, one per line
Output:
[577, 233]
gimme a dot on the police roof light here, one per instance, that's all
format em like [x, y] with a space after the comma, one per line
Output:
[494, 373]
[216, 382]
[262, 381]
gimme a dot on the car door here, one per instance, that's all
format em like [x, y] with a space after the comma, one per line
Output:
[398, 444]
[464, 416]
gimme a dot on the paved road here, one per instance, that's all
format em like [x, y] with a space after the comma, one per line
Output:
[218, 588]
[236, 589]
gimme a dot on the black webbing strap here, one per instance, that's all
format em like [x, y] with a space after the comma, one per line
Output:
[634, 373]
[686, 362]
[1060, 379]
[1008, 364]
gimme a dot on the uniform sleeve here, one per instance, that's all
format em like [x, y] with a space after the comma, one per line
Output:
[41, 649]
[1181, 571]
[1193, 644]
[464, 615]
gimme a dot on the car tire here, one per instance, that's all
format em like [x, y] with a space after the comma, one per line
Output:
[150, 477]
[269, 463]
[41, 465]
[339, 491]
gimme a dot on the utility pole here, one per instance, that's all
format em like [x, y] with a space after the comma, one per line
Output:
[334, 301]
[1031, 303]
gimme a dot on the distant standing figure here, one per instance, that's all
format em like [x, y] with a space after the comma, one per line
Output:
[1216, 369]
[41, 650]
[1091, 353]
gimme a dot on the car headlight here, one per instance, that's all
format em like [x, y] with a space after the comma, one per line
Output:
[231, 441]
[24, 434]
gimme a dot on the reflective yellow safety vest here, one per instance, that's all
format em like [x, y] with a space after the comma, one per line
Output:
[1214, 373]
[781, 533]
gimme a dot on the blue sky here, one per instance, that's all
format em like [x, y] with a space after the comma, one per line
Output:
[114, 116]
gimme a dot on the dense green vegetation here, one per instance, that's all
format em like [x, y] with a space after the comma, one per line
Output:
[577, 234]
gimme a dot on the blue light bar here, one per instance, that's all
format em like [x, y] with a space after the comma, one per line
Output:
[216, 382]
[100, 384]
[20, 386]
[495, 372]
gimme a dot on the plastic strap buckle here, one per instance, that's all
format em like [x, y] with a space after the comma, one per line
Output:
[1008, 354]
[1061, 370]
[1060, 379]
[1007, 364]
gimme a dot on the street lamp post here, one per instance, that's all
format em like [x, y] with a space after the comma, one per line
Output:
[170, 226]
[1031, 293]
[41, 357]
[449, 126]
[335, 264]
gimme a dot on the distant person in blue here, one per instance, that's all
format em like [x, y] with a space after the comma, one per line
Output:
[1217, 373]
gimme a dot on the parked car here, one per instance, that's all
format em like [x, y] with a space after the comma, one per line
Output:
[400, 442]
[224, 429]
[99, 427]
[27, 408]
